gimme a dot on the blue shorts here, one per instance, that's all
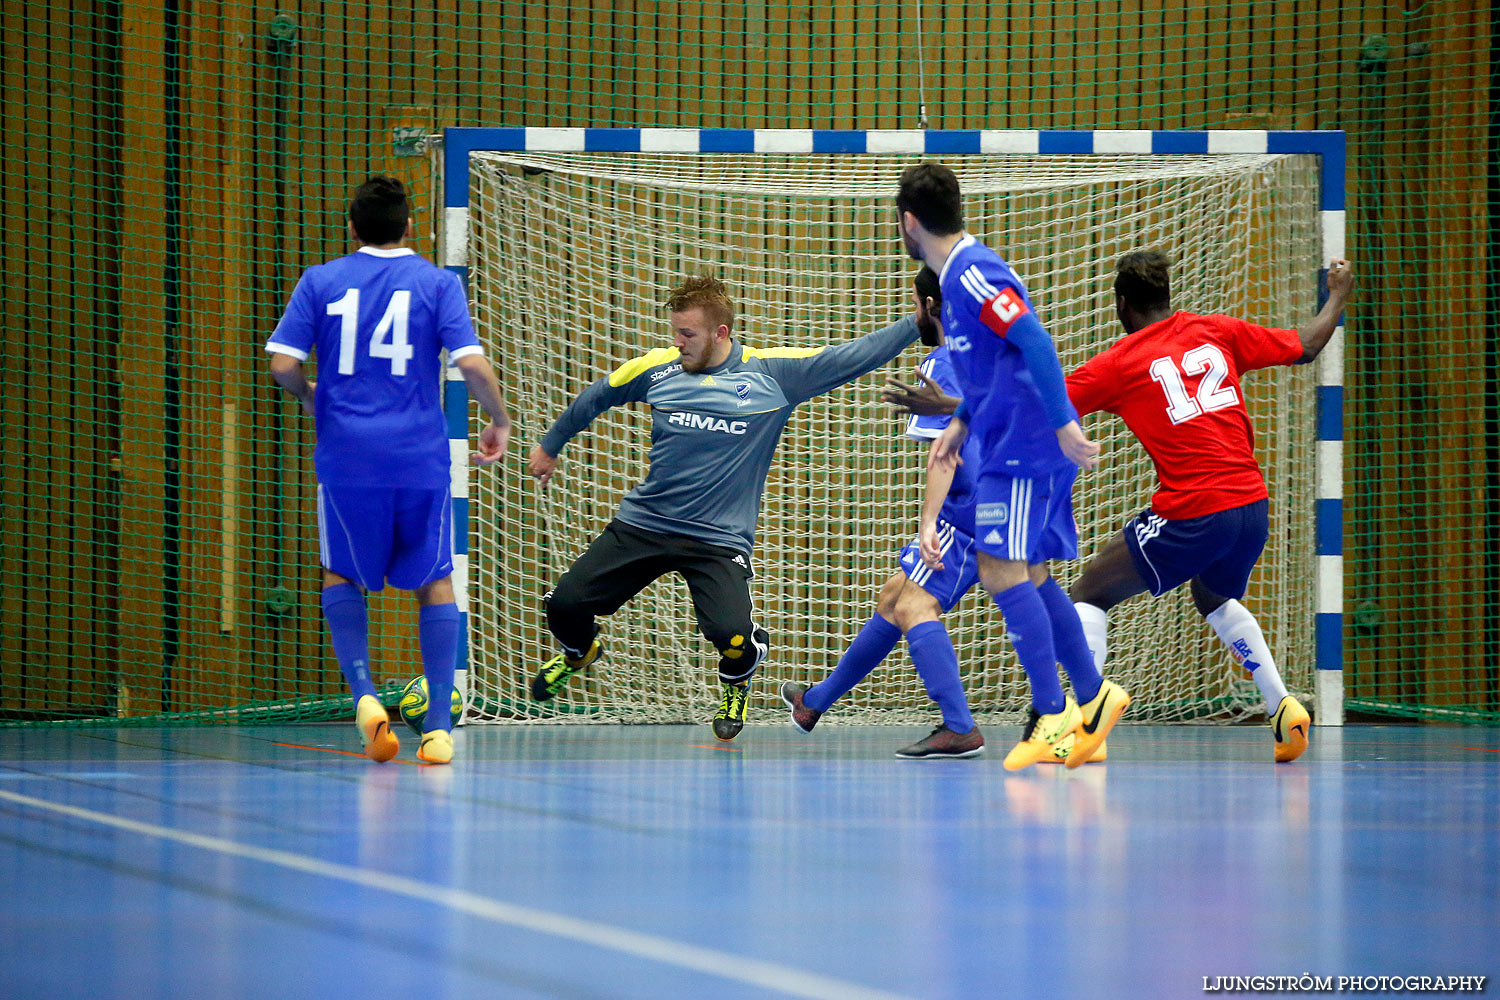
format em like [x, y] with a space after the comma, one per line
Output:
[960, 566]
[373, 534]
[1219, 549]
[1026, 519]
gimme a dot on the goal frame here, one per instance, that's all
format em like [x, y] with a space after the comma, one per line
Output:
[459, 143]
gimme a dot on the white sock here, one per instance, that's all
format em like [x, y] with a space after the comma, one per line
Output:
[1240, 631]
[1095, 632]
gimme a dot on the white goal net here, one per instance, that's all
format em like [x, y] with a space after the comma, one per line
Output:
[570, 257]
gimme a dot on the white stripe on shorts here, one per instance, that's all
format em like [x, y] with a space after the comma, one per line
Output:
[945, 542]
[1020, 514]
[322, 530]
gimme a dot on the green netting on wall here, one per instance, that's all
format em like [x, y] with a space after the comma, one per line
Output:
[172, 167]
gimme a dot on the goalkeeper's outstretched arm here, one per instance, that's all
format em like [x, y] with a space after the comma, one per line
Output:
[805, 373]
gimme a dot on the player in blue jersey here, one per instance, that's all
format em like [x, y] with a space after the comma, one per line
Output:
[928, 585]
[378, 320]
[718, 408]
[913, 601]
[1016, 403]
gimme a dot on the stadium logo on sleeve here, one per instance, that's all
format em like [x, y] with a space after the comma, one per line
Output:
[669, 370]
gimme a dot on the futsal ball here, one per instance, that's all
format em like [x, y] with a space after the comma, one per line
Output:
[414, 704]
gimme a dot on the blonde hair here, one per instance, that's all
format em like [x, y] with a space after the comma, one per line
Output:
[708, 294]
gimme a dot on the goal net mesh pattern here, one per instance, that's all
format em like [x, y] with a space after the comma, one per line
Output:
[570, 256]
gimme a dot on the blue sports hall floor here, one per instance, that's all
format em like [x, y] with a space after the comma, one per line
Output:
[593, 861]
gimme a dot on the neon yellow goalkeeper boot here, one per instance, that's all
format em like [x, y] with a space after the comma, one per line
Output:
[1290, 725]
[375, 729]
[553, 676]
[1041, 735]
[730, 718]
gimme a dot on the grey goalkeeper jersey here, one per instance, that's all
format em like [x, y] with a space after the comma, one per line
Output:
[713, 432]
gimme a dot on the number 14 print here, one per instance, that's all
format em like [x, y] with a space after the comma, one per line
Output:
[389, 340]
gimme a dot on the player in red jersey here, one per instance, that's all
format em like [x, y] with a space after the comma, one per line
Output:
[1175, 380]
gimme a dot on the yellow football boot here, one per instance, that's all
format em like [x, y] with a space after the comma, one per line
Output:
[1096, 719]
[375, 729]
[1290, 725]
[1041, 735]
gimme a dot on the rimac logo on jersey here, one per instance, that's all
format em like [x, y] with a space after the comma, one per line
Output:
[697, 420]
[958, 344]
[669, 370]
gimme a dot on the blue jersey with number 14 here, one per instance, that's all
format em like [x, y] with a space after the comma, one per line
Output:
[378, 319]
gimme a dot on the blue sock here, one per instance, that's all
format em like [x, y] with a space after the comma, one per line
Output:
[1067, 639]
[1031, 633]
[937, 664]
[349, 630]
[437, 628]
[876, 638]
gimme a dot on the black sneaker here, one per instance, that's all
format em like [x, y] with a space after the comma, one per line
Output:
[553, 676]
[730, 718]
[803, 718]
[944, 742]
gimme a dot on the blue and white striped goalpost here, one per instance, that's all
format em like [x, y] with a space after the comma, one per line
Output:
[1328, 146]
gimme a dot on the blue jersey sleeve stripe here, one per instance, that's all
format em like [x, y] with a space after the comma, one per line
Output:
[983, 283]
[968, 279]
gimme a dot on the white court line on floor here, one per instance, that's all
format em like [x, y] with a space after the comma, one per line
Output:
[707, 961]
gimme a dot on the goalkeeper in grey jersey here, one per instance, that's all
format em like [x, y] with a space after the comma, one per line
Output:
[718, 409]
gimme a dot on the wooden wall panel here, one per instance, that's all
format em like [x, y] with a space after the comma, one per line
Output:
[143, 388]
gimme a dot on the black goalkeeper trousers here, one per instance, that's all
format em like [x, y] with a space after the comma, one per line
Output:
[625, 560]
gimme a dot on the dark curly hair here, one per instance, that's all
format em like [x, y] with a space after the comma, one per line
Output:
[1141, 278]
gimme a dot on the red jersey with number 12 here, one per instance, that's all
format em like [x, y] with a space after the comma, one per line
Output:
[1176, 384]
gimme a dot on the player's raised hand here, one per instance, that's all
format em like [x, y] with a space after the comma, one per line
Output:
[1079, 449]
[931, 547]
[946, 445]
[924, 399]
[492, 444]
[542, 465]
[1340, 278]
